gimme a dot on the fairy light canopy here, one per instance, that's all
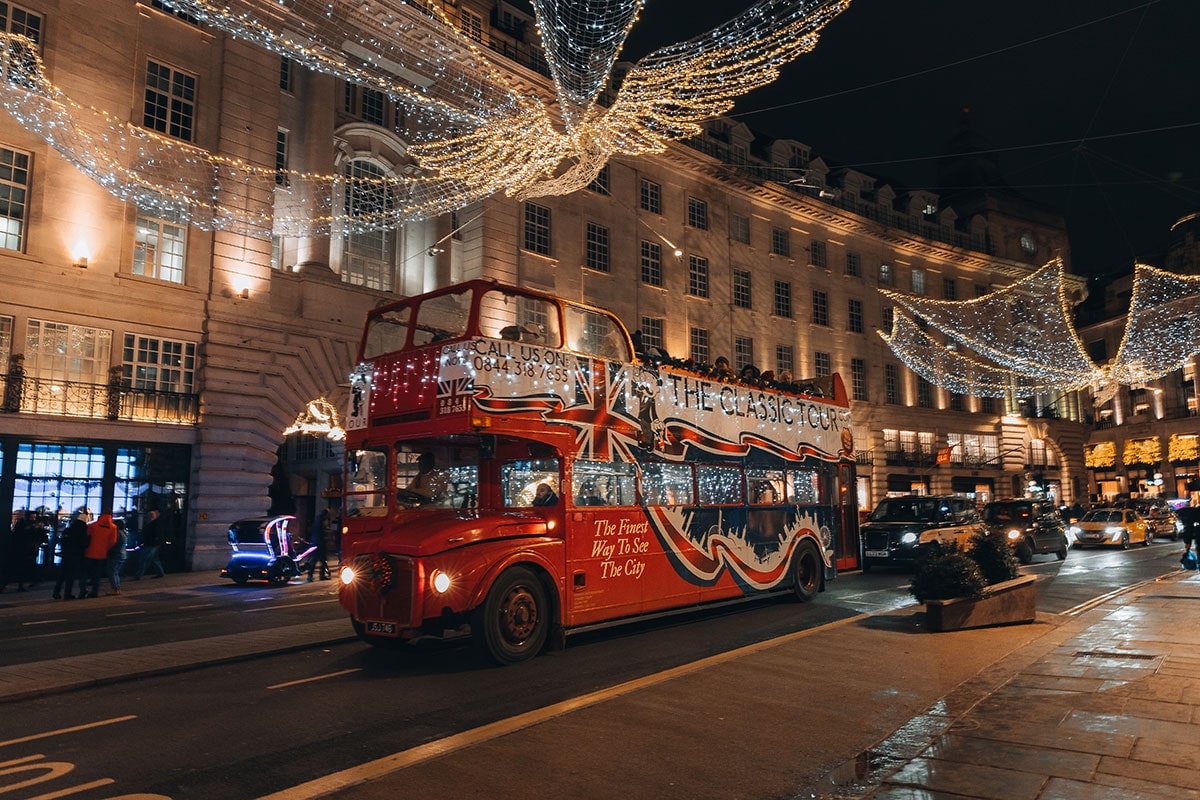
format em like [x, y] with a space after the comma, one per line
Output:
[474, 130]
[1021, 339]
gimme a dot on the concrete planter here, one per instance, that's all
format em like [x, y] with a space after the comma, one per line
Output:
[1004, 603]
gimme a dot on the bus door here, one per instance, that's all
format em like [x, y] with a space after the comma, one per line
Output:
[608, 543]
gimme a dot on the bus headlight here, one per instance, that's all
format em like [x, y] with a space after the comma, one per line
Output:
[347, 576]
[440, 582]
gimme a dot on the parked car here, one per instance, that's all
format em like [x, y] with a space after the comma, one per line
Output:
[1112, 526]
[265, 549]
[902, 529]
[1032, 526]
[1158, 512]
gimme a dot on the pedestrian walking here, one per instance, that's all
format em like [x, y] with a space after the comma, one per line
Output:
[151, 542]
[20, 562]
[316, 538]
[71, 568]
[102, 536]
[117, 555]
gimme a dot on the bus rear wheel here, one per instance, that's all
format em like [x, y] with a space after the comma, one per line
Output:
[512, 624]
[806, 571]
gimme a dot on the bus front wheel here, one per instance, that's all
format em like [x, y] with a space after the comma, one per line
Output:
[806, 571]
[513, 622]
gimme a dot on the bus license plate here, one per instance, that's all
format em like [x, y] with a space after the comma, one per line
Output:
[380, 628]
[876, 553]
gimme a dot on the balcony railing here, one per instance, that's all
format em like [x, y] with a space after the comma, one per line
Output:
[97, 401]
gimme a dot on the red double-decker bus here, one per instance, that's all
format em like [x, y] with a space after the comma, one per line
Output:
[513, 466]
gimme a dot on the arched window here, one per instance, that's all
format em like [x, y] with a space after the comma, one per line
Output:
[368, 256]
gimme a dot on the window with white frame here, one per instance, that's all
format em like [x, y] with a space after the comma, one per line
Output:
[14, 198]
[472, 25]
[924, 393]
[817, 254]
[57, 351]
[743, 352]
[697, 214]
[918, 281]
[14, 19]
[697, 276]
[741, 289]
[949, 288]
[596, 248]
[854, 315]
[160, 246]
[853, 264]
[6, 334]
[170, 102]
[891, 384]
[287, 73]
[652, 333]
[820, 307]
[783, 299]
[822, 364]
[781, 242]
[159, 365]
[281, 157]
[739, 228]
[885, 274]
[858, 379]
[652, 263]
[651, 197]
[373, 107]
[537, 229]
[785, 359]
[599, 184]
[368, 255]
[698, 345]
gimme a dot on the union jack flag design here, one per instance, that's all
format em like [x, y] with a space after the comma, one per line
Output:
[454, 394]
[600, 413]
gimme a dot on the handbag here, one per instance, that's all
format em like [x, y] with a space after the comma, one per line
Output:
[1189, 560]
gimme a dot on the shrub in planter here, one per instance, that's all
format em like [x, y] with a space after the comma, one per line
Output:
[995, 557]
[947, 574]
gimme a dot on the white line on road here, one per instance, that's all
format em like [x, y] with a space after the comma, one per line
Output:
[126, 614]
[197, 605]
[340, 781]
[44, 621]
[78, 630]
[73, 729]
[289, 605]
[315, 678]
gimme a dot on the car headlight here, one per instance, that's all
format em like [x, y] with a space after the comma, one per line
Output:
[347, 576]
[1014, 534]
[1114, 532]
[908, 538]
[440, 581]
[1075, 530]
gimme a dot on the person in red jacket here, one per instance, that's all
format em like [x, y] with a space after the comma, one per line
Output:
[103, 534]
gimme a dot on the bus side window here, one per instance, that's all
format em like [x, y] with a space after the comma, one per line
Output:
[519, 480]
[667, 484]
[603, 483]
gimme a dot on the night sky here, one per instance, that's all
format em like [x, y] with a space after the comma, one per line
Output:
[1093, 106]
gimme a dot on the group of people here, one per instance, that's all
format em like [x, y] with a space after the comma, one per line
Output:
[721, 370]
[89, 551]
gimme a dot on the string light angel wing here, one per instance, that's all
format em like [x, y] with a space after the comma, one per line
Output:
[1162, 329]
[1025, 327]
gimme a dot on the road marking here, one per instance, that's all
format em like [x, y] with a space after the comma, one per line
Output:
[340, 781]
[197, 605]
[126, 614]
[1087, 605]
[78, 630]
[315, 678]
[61, 731]
[45, 621]
[289, 605]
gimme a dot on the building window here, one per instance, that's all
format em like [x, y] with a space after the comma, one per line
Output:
[597, 247]
[697, 214]
[651, 197]
[159, 365]
[374, 106]
[958, 402]
[160, 246]
[980, 290]
[739, 228]
[891, 384]
[987, 405]
[281, 158]
[741, 289]
[287, 73]
[885, 274]
[472, 26]
[652, 333]
[652, 263]
[783, 299]
[781, 242]
[537, 229]
[57, 351]
[820, 308]
[169, 7]
[924, 393]
[14, 198]
[698, 276]
[599, 184]
[698, 345]
[853, 264]
[14, 19]
[889, 318]
[1138, 401]
[949, 288]
[170, 106]
[918, 281]
[785, 359]
[6, 336]
[858, 379]
[822, 364]
[854, 316]
[816, 254]
[743, 352]
[368, 256]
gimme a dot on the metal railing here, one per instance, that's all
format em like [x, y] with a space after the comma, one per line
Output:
[97, 401]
